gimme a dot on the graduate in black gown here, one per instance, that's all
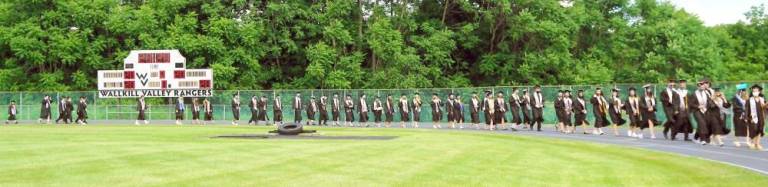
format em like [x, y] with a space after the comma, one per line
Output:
[580, 111]
[235, 109]
[739, 116]
[68, 111]
[682, 112]
[45, 110]
[389, 111]
[501, 109]
[648, 111]
[377, 111]
[720, 113]
[254, 110]
[633, 109]
[363, 109]
[600, 111]
[180, 108]
[559, 111]
[437, 113]
[568, 112]
[537, 110]
[449, 111]
[474, 110]
[208, 110]
[297, 108]
[458, 107]
[755, 109]
[701, 107]
[336, 109]
[667, 104]
[416, 108]
[311, 110]
[277, 110]
[525, 107]
[323, 110]
[141, 107]
[261, 107]
[489, 110]
[12, 112]
[195, 111]
[62, 110]
[82, 112]
[349, 108]
[614, 111]
[404, 109]
[514, 108]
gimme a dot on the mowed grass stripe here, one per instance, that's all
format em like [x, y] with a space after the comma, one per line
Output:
[182, 156]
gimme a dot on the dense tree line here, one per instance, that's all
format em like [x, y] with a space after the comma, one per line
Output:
[281, 44]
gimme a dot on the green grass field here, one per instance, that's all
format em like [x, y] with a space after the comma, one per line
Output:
[182, 156]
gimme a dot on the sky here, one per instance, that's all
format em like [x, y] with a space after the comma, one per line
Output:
[714, 12]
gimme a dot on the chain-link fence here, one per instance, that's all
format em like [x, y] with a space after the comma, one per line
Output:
[29, 103]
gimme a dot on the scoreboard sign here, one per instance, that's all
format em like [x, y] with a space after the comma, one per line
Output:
[155, 73]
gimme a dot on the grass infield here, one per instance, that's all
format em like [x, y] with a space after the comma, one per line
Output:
[100, 155]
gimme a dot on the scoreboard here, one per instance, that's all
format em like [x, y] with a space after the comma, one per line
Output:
[155, 73]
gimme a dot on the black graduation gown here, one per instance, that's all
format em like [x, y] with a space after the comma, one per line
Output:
[599, 111]
[363, 115]
[739, 123]
[376, 111]
[489, 114]
[500, 109]
[755, 129]
[349, 108]
[648, 115]
[416, 108]
[615, 113]
[474, 112]
[437, 114]
[458, 114]
[389, 110]
[579, 111]
[668, 106]
[449, 110]
[635, 117]
[82, 112]
[254, 111]
[404, 111]
[141, 110]
[11, 113]
[335, 109]
[718, 117]
[179, 111]
[261, 106]
[236, 110]
[559, 111]
[311, 109]
[277, 110]
[703, 119]
[195, 111]
[208, 111]
[297, 107]
[514, 108]
[323, 110]
[537, 112]
[525, 107]
[45, 109]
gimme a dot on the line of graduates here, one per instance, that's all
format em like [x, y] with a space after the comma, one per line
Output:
[65, 111]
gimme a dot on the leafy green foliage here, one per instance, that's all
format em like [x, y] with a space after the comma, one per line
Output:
[343, 44]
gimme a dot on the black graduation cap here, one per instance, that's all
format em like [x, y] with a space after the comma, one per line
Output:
[500, 92]
[13, 101]
[760, 88]
[435, 94]
[567, 91]
[671, 80]
[377, 97]
[703, 80]
[417, 93]
[716, 89]
[537, 86]
[313, 97]
[598, 88]
[615, 89]
[402, 94]
[474, 92]
[580, 90]
[631, 88]
[681, 81]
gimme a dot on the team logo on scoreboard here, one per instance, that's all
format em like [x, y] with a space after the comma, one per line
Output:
[155, 73]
